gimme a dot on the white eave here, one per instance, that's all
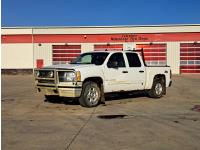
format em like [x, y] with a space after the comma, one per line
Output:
[169, 28]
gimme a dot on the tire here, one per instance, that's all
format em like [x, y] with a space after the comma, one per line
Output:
[90, 95]
[158, 88]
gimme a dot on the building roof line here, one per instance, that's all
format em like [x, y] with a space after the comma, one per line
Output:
[116, 26]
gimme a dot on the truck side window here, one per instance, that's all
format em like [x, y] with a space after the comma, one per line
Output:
[133, 60]
[116, 60]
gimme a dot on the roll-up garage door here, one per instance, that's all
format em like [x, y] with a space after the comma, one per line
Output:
[190, 57]
[65, 53]
[112, 47]
[154, 54]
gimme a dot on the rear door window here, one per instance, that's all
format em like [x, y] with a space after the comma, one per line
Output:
[116, 58]
[133, 60]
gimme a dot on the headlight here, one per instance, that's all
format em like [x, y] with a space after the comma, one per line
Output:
[70, 76]
[51, 74]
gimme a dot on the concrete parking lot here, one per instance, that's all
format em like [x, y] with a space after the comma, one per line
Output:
[169, 123]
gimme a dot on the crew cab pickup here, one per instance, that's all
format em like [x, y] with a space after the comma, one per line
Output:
[92, 74]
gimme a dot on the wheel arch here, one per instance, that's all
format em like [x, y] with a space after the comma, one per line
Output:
[159, 76]
[96, 79]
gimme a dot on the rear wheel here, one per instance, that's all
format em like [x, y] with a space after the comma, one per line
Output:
[90, 95]
[158, 88]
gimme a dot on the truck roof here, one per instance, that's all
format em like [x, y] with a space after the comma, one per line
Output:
[134, 51]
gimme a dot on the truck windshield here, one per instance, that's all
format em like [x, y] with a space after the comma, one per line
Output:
[96, 58]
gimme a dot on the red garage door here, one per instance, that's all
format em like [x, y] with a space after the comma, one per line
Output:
[65, 53]
[154, 54]
[112, 47]
[190, 57]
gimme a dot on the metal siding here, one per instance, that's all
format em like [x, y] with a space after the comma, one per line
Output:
[154, 54]
[17, 56]
[173, 56]
[43, 52]
[62, 54]
[190, 54]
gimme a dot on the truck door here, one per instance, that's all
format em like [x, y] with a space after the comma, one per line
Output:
[136, 71]
[115, 73]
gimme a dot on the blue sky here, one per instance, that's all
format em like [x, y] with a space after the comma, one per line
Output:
[99, 12]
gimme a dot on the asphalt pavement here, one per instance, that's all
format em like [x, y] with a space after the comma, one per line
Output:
[127, 121]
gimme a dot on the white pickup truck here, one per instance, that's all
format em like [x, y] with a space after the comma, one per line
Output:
[92, 74]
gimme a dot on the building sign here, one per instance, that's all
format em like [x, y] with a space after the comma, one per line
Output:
[129, 38]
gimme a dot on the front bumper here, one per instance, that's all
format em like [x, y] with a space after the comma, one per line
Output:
[63, 91]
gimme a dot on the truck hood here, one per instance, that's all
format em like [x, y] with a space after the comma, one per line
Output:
[68, 66]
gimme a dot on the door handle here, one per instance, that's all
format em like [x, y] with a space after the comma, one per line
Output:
[124, 71]
[141, 71]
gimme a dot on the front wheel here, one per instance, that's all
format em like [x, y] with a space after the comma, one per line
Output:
[157, 89]
[90, 95]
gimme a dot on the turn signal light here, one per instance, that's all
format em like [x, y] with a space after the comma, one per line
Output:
[78, 76]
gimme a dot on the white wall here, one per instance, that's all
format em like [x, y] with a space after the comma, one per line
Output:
[17, 56]
[14, 31]
[116, 29]
[43, 52]
[173, 56]
[87, 47]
